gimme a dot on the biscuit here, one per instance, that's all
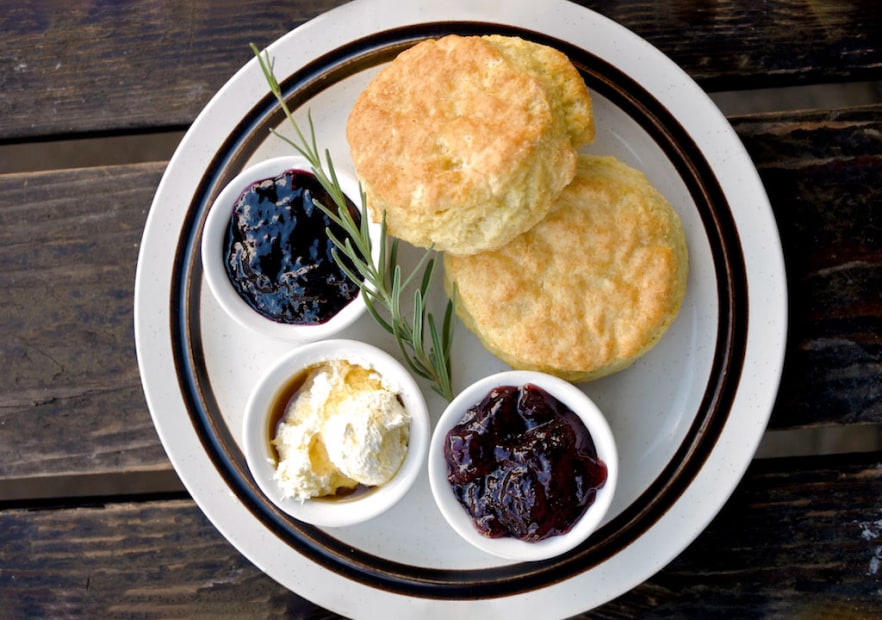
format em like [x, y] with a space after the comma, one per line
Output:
[589, 289]
[464, 142]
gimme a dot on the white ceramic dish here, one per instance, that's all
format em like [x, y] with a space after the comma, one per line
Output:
[216, 224]
[256, 445]
[507, 547]
[687, 417]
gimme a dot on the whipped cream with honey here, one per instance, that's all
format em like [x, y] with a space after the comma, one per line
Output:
[344, 427]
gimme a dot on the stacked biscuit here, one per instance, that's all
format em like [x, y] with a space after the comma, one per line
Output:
[566, 263]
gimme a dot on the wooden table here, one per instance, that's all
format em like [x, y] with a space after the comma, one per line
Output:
[92, 519]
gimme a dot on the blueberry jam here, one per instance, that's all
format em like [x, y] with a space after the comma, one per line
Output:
[278, 255]
[523, 464]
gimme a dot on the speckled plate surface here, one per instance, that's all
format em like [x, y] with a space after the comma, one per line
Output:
[687, 417]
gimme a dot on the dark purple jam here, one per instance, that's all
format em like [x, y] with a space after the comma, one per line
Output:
[523, 464]
[278, 255]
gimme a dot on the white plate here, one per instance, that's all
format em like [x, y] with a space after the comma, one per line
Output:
[687, 417]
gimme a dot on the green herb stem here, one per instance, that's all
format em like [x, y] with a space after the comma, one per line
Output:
[381, 283]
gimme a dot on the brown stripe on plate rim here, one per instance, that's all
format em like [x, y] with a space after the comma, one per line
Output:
[401, 578]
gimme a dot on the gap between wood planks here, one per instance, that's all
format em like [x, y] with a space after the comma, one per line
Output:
[80, 152]
[87, 152]
[61, 490]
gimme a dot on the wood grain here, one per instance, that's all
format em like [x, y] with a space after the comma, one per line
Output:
[822, 173]
[159, 559]
[70, 393]
[121, 66]
[90, 67]
[71, 401]
[799, 538]
[734, 45]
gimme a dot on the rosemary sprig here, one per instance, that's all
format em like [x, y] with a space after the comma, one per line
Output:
[382, 284]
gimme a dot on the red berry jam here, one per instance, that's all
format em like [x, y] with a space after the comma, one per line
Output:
[523, 464]
[278, 255]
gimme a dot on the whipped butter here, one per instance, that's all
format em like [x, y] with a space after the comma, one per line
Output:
[344, 427]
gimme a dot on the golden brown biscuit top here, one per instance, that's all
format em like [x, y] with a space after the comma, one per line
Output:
[450, 106]
[571, 101]
[464, 141]
[589, 288]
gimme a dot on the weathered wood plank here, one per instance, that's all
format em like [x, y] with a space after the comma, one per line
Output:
[733, 45]
[70, 393]
[159, 559]
[75, 67]
[79, 67]
[822, 172]
[799, 538]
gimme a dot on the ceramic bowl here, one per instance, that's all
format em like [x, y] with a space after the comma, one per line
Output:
[334, 512]
[214, 231]
[509, 547]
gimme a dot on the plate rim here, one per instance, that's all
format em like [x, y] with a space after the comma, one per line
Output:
[141, 274]
[322, 547]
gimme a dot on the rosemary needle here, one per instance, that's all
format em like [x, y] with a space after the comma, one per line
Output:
[425, 345]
